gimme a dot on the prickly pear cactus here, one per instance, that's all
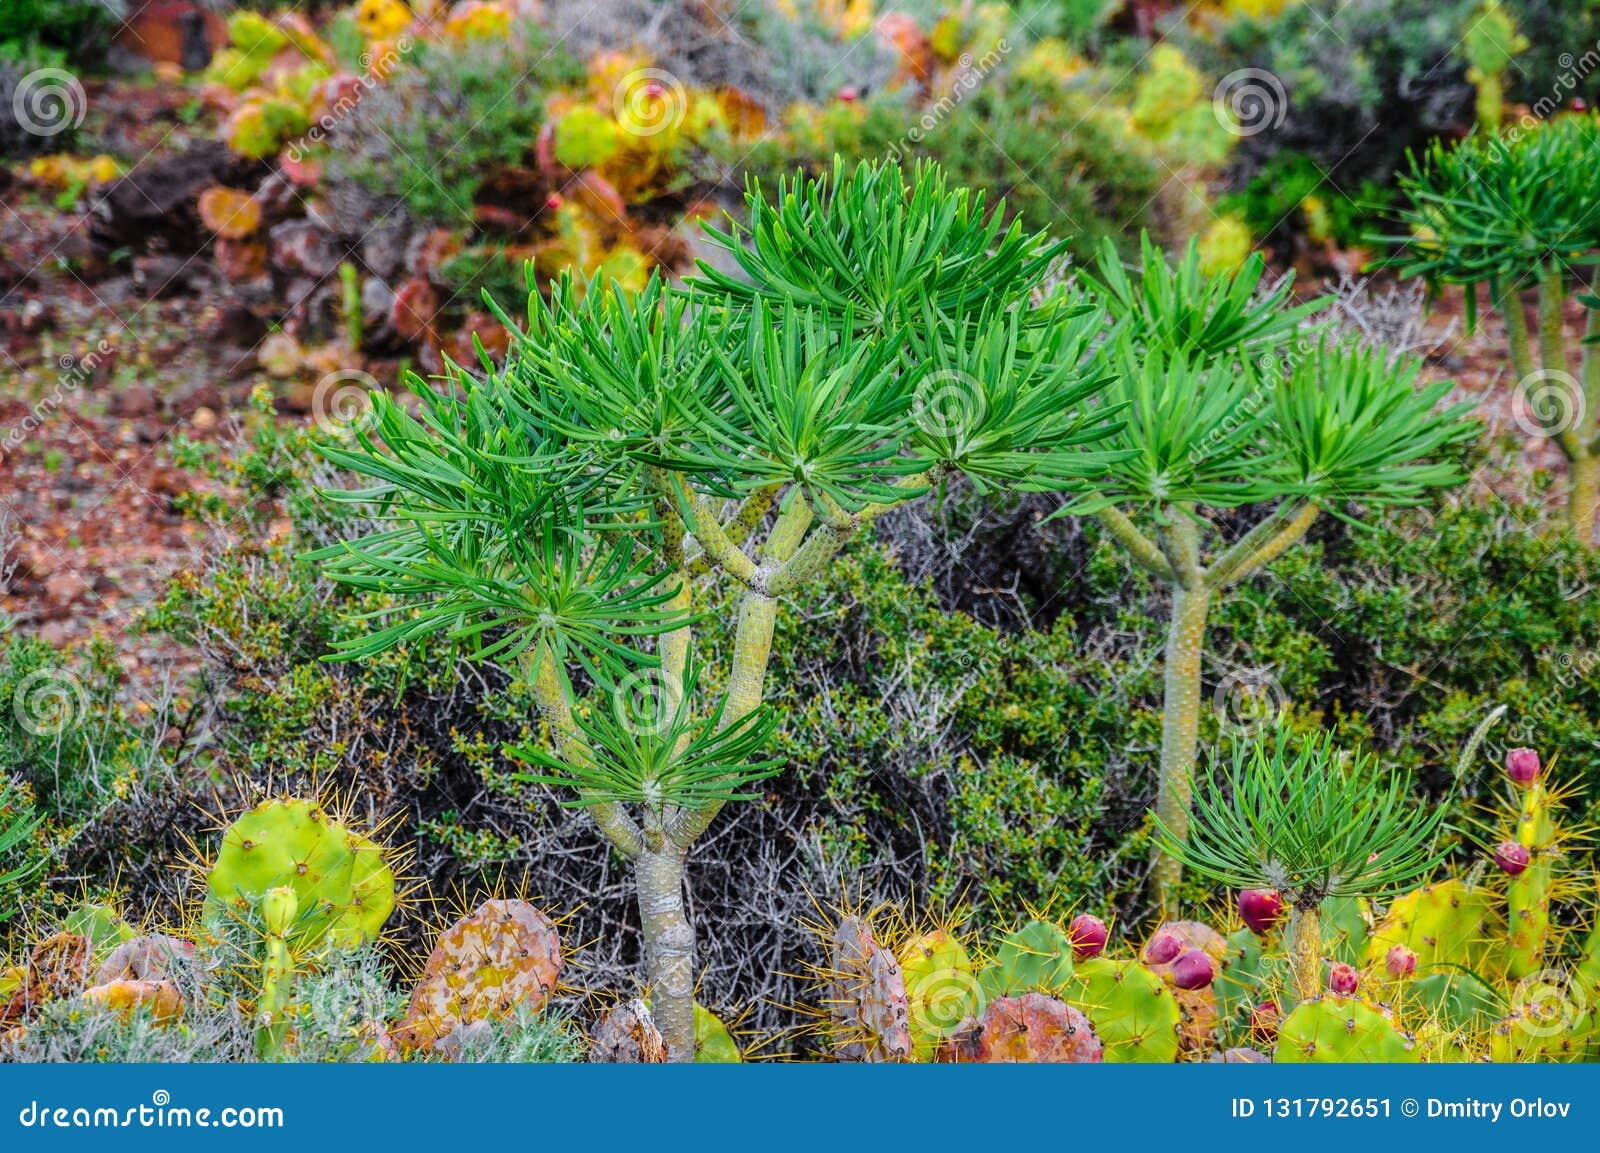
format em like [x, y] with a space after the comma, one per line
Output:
[1342, 1029]
[1528, 893]
[1035, 958]
[941, 988]
[1448, 923]
[713, 1043]
[1346, 928]
[343, 883]
[1552, 1017]
[1454, 1001]
[279, 910]
[101, 925]
[1134, 1013]
[503, 954]
[1030, 1029]
[865, 996]
[1246, 978]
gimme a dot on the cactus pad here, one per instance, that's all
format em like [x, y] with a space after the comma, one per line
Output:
[1134, 1013]
[503, 954]
[1030, 1029]
[343, 884]
[1342, 1029]
[1444, 924]
[866, 996]
[713, 1043]
[941, 989]
[1035, 958]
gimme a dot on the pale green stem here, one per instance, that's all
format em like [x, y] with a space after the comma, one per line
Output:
[1305, 951]
[1145, 552]
[550, 692]
[752, 648]
[1564, 422]
[738, 530]
[1510, 303]
[1261, 545]
[1180, 718]
[668, 936]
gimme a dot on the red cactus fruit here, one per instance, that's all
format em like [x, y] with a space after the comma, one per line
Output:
[1343, 979]
[1162, 948]
[1088, 936]
[1522, 766]
[1264, 1021]
[1261, 909]
[848, 94]
[1193, 970]
[1400, 962]
[1511, 857]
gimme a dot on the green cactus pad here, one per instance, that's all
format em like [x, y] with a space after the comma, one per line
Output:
[1346, 925]
[1455, 1001]
[1528, 893]
[342, 881]
[1245, 979]
[1133, 1011]
[101, 925]
[1035, 958]
[941, 989]
[1342, 1029]
[713, 1044]
[1446, 924]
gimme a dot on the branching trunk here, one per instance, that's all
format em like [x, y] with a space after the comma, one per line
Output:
[1180, 730]
[668, 947]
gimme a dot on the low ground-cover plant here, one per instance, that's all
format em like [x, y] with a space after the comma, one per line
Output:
[556, 514]
[1515, 213]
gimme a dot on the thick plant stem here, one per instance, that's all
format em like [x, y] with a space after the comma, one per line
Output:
[1510, 304]
[1180, 717]
[550, 693]
[668, 947]
[1305, 951]
[1583, 499]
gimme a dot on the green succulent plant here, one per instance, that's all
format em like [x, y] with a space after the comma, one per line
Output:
[1226, 399]
[18, 821]
[566, 513]
[1515, 212]
[1313, 823]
